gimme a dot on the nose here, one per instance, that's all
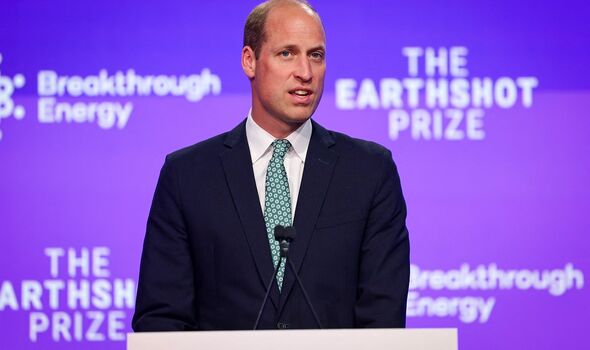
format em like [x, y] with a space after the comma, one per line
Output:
[303, 71]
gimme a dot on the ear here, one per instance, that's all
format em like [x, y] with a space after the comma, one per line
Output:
[248, 62]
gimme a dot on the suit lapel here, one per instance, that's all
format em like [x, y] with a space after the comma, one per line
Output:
[237, 165]
[317, 174]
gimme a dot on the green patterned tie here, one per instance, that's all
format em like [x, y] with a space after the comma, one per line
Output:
[277, 200]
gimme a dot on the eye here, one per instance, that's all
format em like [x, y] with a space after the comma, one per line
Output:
[285, 53]
[317, 55]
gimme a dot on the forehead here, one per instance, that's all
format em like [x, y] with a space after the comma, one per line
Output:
[294, 24]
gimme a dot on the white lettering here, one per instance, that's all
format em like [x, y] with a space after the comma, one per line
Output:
[31, 295]
[436, 62]
[505, 92]
[93, 334]
[412, 53]
[345, 93]
[100, 261]
[38, 323]
[367, 96]
[78, 296]
[458, 61]
[76, 262]
[54, 287]
[527, 84]
[7, 296]
[124, 293]
[61, 324]
[391, 93]
[467, 309]
[116, 326]
[398, 121]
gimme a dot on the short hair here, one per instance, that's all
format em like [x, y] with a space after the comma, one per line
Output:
[254, 33]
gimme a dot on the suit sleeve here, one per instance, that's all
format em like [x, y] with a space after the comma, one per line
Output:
[165, 292]
[384, 264]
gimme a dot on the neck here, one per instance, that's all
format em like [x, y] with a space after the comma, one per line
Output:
[277, 128]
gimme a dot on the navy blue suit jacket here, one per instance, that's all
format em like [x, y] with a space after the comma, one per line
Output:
[206, 259]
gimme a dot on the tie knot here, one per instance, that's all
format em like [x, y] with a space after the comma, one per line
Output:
[280, 147]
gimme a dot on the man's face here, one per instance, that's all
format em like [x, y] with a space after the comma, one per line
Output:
[288, 75]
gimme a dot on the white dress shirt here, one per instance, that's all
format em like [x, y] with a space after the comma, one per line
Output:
[259, 142]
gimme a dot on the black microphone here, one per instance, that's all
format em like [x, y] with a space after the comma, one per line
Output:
[285, 235]
[274, 275]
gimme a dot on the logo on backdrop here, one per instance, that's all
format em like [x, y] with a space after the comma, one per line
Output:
[79, 301]
[100, 99]
[438, 100]
[7, 86]
[481, 280]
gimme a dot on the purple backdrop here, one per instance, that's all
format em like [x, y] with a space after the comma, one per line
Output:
[483, 104]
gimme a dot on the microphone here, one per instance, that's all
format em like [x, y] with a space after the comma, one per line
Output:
[283, 252]
[285, 235]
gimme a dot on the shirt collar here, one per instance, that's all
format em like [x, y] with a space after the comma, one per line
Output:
[259, 140]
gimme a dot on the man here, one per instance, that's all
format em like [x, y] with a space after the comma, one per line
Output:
[209, 252]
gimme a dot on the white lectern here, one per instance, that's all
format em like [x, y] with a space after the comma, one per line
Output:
[341, 339]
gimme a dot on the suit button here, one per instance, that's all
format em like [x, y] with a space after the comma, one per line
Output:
[282, 325]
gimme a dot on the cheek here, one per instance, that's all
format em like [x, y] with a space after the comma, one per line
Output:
[272, 83]
[320, 73]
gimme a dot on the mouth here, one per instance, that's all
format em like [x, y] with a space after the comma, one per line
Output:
[301, 95]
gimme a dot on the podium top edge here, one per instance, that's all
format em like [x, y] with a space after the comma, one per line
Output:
[360, 330]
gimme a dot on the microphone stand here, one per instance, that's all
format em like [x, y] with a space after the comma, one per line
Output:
[315, 316]
[268, 288]
[285, 235]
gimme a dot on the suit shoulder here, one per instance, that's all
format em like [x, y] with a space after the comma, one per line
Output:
[363, 148]
[201, 151]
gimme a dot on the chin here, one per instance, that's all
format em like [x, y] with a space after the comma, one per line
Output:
[297, 118]
[299, 115]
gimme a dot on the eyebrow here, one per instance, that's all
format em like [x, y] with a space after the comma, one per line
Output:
[318, 48]
[296, 48]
